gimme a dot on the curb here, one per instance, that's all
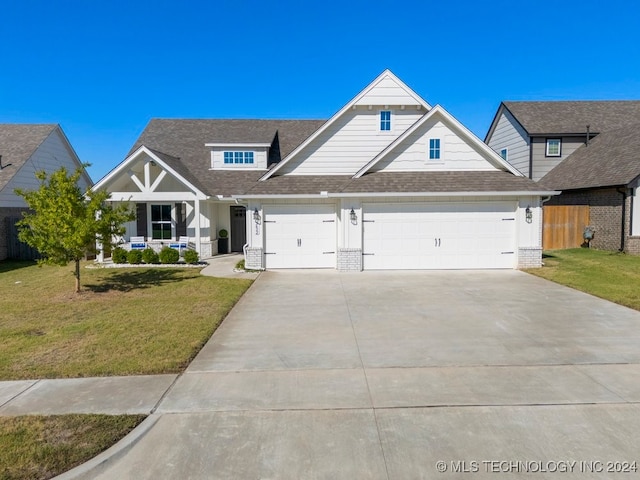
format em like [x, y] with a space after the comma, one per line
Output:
[95, 466]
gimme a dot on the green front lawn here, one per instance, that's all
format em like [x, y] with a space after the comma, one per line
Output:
[124, 322]
[609, 275]
[36, 447]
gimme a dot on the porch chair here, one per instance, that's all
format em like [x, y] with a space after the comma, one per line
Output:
[137, 243]
[181, 244]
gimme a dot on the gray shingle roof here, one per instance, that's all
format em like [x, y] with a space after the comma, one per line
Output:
[452, 181]
[403, 182]
[185, 139]
[612, 158]
[17, 143]
[567, 117]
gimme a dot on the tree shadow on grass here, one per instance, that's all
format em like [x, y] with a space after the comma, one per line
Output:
[126, 281]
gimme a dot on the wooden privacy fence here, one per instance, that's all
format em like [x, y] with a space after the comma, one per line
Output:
[16, 249]
[563, 226]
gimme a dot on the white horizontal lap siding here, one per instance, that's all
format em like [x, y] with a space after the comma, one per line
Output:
[412, 154]
[510, 135]
[300, 236]
[439, 236]
[351, 142]
[50, 156]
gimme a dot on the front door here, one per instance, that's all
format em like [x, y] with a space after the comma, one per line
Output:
[238, 228]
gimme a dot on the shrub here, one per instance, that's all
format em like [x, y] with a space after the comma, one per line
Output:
[119, 255]
[134, 257]
[169, 255]
[149, 255]
[191, 256]
[223, 233]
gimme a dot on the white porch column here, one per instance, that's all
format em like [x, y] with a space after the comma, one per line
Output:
[196, 212]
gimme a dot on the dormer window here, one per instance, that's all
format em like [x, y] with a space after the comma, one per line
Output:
[237, 158]
[385, 120]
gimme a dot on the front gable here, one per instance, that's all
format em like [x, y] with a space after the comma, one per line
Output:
[437, 142]
[366, 125]
[146, 176]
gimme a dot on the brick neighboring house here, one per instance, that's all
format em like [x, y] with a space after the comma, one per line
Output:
[590, 150]
[24, 150]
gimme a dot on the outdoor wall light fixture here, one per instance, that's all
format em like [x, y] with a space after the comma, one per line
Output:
[256, 216]
[353, 216]
[528, 214]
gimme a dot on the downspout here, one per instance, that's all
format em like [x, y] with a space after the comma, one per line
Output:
[624, 217]
[531, 158]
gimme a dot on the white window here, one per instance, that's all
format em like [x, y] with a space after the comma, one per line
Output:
[554, 147]
[161, 222]
[385, 120]
[238, 158]
[504, 153]
[434, 149]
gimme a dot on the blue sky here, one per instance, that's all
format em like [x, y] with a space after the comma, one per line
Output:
[104, 69]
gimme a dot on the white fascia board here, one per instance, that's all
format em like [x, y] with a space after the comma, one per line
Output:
[131, 158]
[517, 193]
[446, 194]
[281, 196]
[237, 145]
[154, 196]
[334, 118]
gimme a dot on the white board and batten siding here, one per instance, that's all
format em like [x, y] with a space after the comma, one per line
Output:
[412, 154]
[387, 92]
[509, 134]
[52, 154]
[350, 142]
[439, 236]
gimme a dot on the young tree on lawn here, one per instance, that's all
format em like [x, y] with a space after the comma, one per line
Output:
[64, 223]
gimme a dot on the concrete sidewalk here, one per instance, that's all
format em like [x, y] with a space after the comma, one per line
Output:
[108, 395]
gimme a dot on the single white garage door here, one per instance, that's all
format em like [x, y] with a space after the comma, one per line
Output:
[433, 236]
[300, 236]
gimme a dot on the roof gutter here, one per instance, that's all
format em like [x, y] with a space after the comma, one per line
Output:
[547, 193]
[624, 193]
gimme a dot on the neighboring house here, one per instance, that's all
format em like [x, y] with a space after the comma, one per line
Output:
[24, 150]
[590, 150]
[388, 182]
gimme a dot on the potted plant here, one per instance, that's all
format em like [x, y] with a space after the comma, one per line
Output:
[223, 241]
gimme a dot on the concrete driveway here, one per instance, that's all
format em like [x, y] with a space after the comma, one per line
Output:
[402, 375]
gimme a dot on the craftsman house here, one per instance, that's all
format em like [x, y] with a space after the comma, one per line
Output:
[590, 150]
[24, 150]
[388, 182]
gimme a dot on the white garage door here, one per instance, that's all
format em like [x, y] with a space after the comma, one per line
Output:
[432, 236]
[300, 236]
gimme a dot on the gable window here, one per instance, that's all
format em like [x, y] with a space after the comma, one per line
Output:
[554, 146]
[504, 153]
[385, 120]
[434, 149]
[161, 222]
[237, 158]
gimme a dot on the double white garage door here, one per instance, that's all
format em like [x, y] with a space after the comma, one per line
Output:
[396, 236]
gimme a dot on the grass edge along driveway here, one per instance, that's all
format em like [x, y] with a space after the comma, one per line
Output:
[612, 276]
[125, 321]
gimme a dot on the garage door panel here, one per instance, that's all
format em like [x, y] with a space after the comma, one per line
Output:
[432, 236]
[300, 236]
